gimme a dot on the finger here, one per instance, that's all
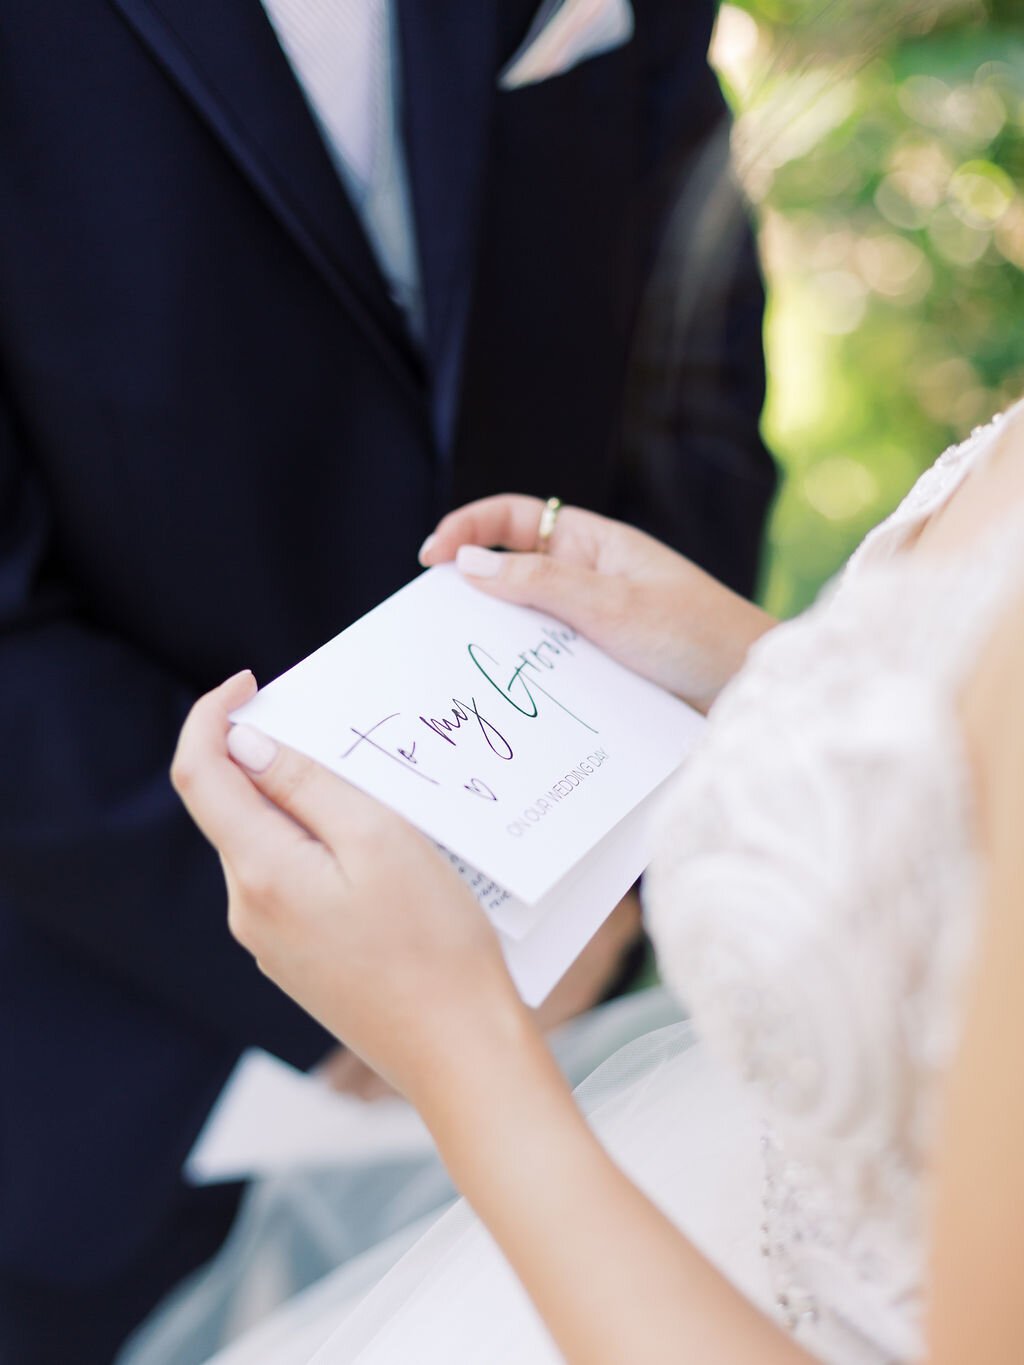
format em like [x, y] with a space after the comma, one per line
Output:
[220, 798]
[580, 596]
[331, 809]
[511, 520]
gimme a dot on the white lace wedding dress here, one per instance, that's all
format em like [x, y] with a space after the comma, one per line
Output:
[814, 901]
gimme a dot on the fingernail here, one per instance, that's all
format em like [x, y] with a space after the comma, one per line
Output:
[234, 682]
[478, 562]
[251, 748]
[425, 547]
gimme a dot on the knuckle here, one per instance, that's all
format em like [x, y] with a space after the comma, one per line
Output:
[244, 925]
[239, 924]
[533, 572]
[292, 779]
[251, 909]
[256, 884]
[182, 773]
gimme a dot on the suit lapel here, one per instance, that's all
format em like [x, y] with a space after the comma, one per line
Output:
[448, 61]
[225, 58]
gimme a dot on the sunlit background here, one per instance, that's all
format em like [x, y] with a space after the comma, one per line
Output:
[883, 147]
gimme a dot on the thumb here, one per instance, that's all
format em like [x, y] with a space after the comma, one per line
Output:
[580, 597]
[329, 808]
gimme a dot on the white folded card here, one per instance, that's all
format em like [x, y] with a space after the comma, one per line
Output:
[270, 1119]
[517, 745]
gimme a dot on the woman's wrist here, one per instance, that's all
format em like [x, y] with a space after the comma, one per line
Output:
[716, 628]
[743, 623]
[495, 1066]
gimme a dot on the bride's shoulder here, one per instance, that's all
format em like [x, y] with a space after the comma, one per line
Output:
[1007, 435]
[973, 490]
[1002, 453]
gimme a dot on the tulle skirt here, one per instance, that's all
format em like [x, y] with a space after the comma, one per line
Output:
[310, 1244]
[444, 1295]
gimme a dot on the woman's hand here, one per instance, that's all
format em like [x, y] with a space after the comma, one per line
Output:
[647, 606]
[342, 903]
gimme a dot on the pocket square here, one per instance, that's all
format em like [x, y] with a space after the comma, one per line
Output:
[565, 33]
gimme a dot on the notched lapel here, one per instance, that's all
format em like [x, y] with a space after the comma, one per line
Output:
[448, 63]
[225, 58]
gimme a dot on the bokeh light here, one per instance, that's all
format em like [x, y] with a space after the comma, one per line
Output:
[883, 149]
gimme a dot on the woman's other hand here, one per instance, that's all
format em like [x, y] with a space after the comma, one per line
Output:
[647, 606]
[342, 903]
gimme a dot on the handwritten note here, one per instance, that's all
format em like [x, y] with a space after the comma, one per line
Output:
[513, 742]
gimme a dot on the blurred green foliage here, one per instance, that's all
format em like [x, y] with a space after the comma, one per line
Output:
[883, 146]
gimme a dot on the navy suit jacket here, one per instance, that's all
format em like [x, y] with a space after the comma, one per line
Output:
[218, 446]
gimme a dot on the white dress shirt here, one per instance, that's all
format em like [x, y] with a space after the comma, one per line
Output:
[344, 54]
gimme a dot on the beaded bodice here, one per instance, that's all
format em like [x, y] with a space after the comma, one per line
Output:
[814, 900]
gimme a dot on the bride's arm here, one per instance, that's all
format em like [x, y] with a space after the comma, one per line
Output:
[977, 1305]
[613, 1280]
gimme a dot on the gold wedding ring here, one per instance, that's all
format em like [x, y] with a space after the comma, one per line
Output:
[546, 527]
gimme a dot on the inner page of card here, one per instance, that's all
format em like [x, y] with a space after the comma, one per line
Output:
[498, 731]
